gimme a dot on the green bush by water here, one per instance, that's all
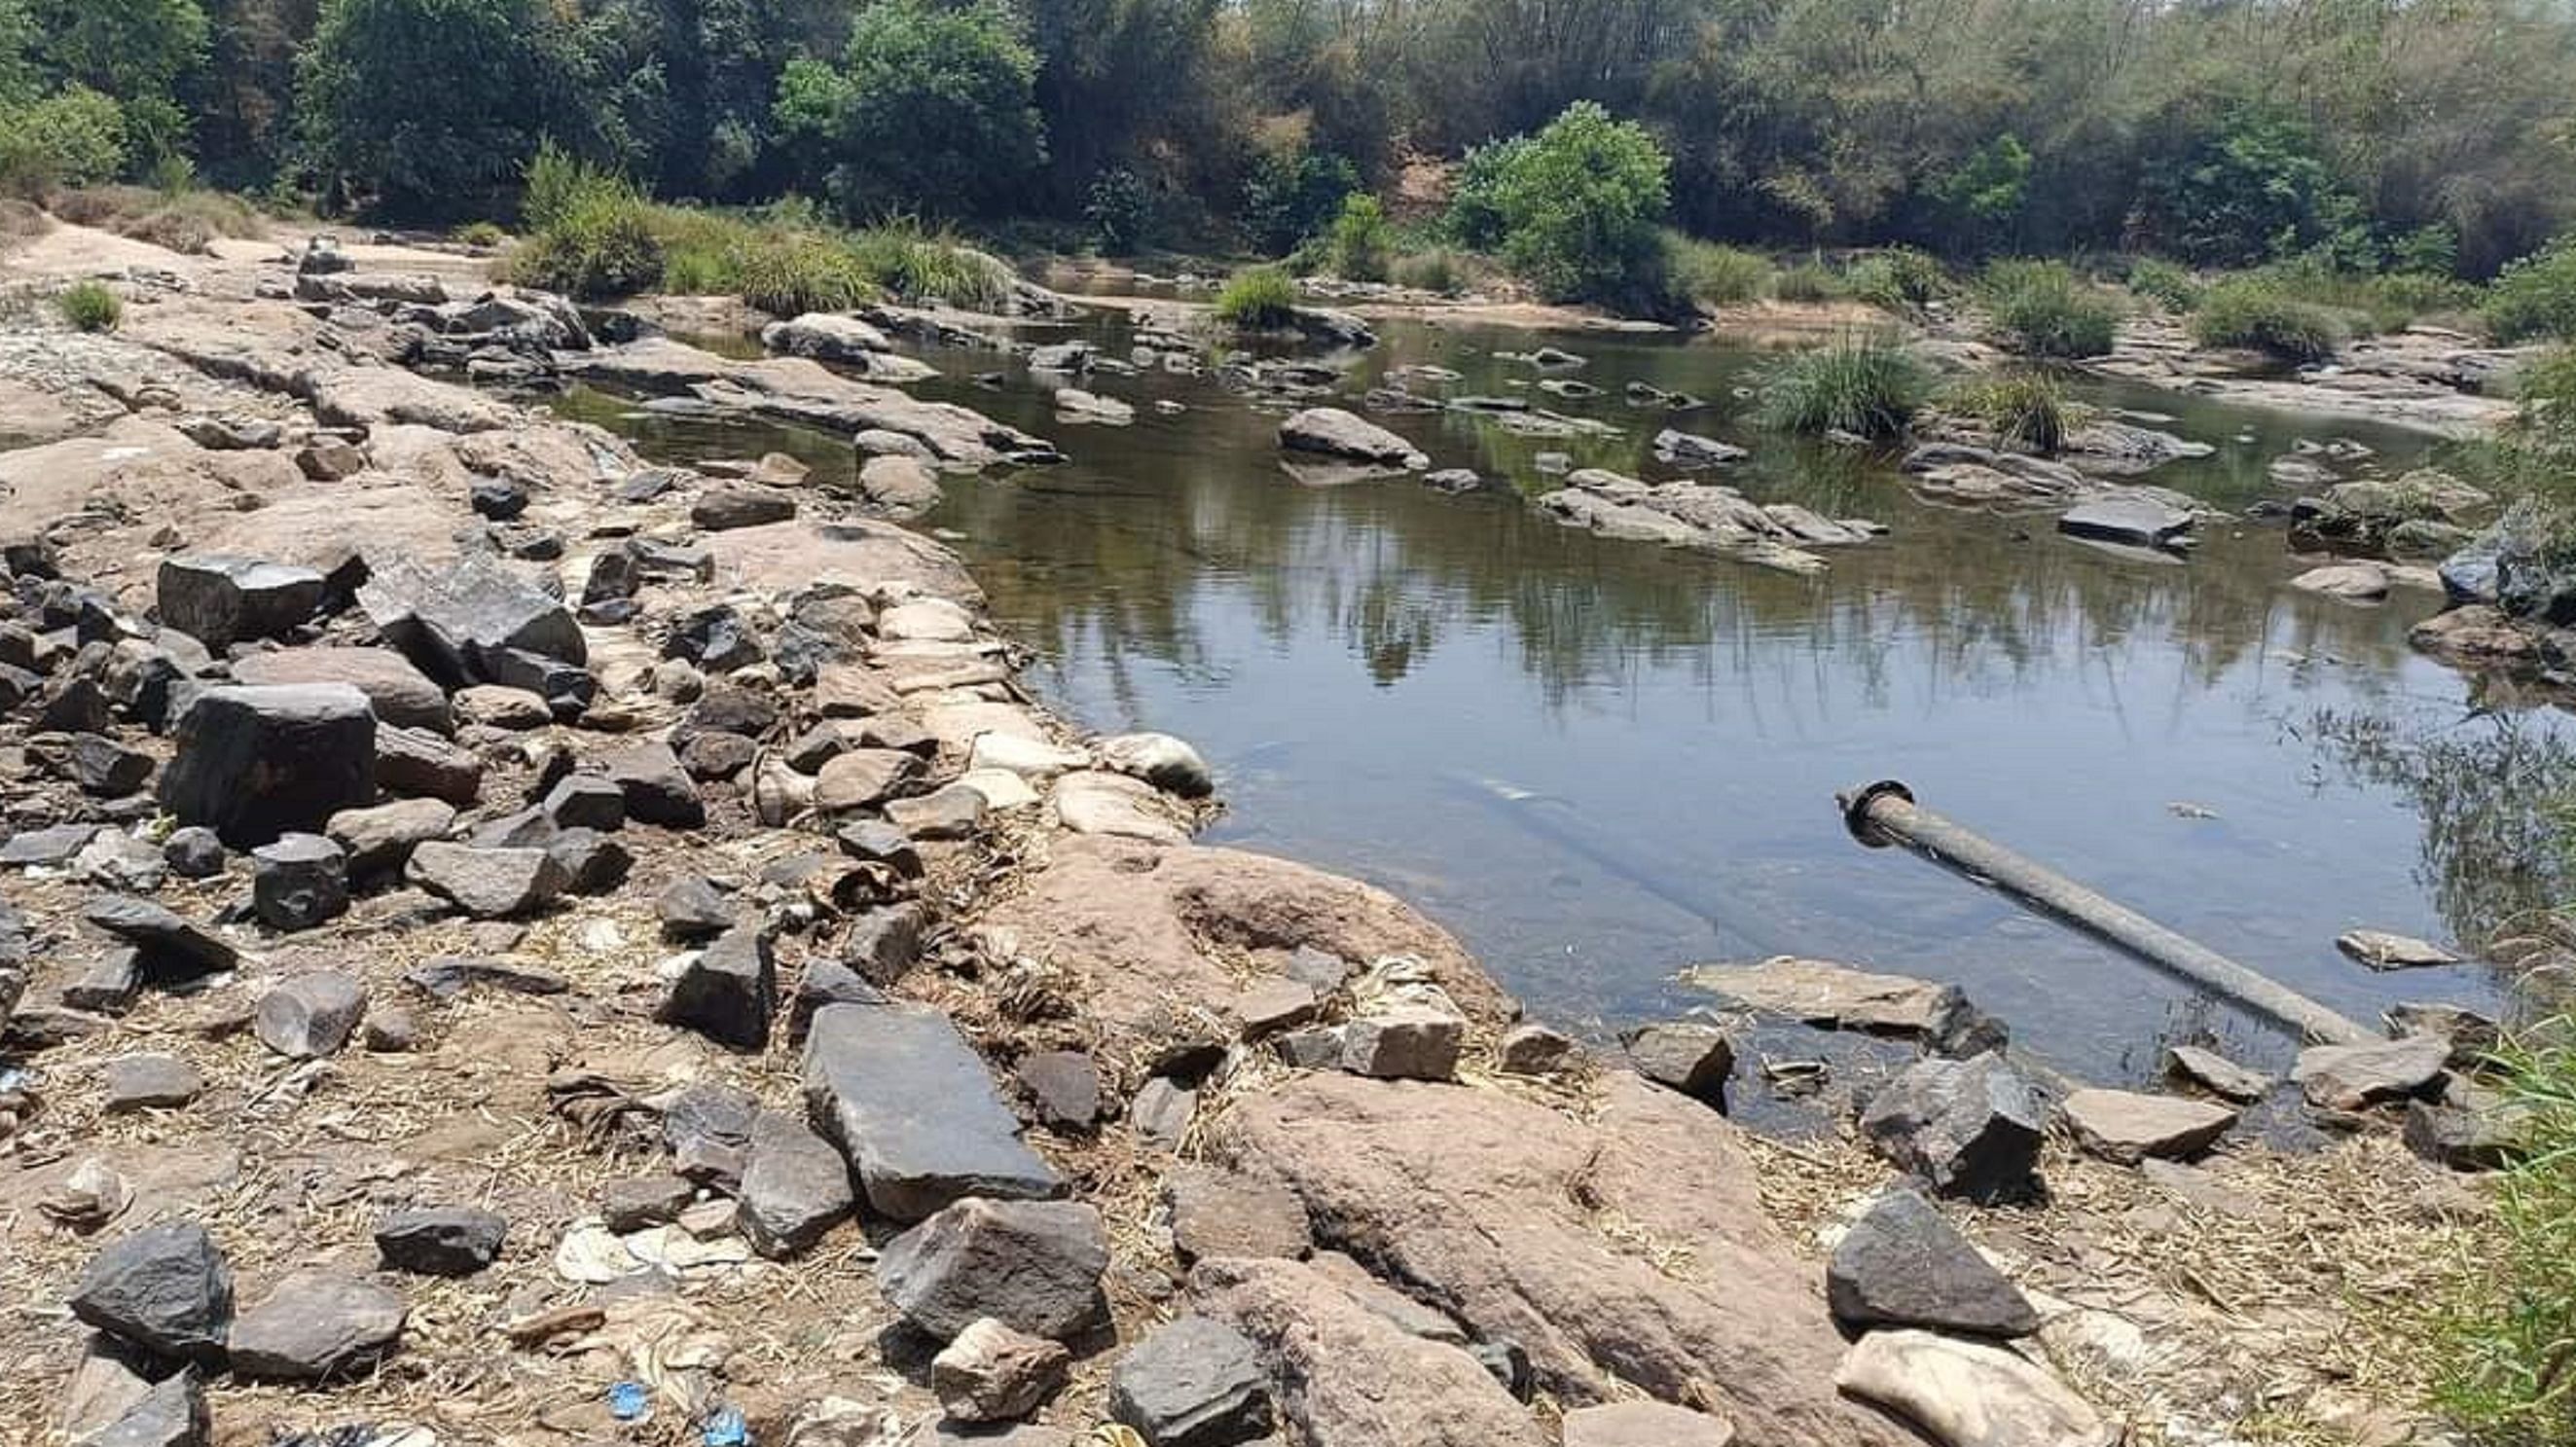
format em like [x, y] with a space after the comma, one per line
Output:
[1898, 279]
[1869, 386]
[1714, 275]
[1258, 298]
[923, 263]
[2027, 410]
[2045, 310]
[2503, 1340]
[1358, 243]
[1809, 281]
[2536, 296]
[90, 307]
[2165, 283]
[2256, 315]
[1440, 269]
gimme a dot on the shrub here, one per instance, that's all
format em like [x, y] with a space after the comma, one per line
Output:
[789, 273]
[1715, 275]
[1258, 298]
[2502, 1337]
[1357, 244]
[2164, 283]
[75, 138]
[480, 235]
[594, 233]
[2365, 301]
[2536, 296]
[1899, 279]
[2027, 410]
[1437, 269]
[1865, 385]
[1291, 195]
[1808, 281]
[90, 307]
[2251, 314]
[1120, 210]
[2046, 310]
[919, 263]
[1581, 206]
[1476, 204]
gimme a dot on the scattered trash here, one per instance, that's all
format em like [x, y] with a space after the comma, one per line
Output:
[726, 1428]
[628, 1401]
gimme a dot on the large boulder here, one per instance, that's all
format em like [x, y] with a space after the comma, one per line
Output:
[1333, 432]
[1350, 1375]
[316, 1326]
[220, 600]
[401, 694]
[474, 621]
[256, 762]
[1520, 1220]
[1034, 1266]
[910, 1105]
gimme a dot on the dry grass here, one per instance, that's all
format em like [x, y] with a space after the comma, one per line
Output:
[2274, 1297]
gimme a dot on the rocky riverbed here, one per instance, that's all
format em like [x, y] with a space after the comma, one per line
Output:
[506, 941]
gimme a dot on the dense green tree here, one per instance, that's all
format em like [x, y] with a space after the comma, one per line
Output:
[932, 110]
[136, 53]
[243, 99]
[1579, 206]
[1114, 81]
[434, 107]
[2251, 188]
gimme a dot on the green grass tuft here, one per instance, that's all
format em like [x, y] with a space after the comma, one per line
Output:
[2027, 410]
[1714, 275]
[2505, 1341]
[2165, 283]
[2257, 315]
[1869, 386]
[2045, 310]
[1258, 299]
[1809, 282]
[2536, 296]
[90, 307]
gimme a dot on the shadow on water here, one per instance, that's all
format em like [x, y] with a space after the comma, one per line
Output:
[1599, 762]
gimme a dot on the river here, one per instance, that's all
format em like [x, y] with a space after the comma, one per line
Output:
[1599, 762]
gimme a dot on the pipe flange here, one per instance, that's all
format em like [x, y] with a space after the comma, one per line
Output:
[1856, 810]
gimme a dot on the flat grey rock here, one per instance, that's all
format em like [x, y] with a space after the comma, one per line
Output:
[794, 1188]
[1193, 1382]
[912, 1107]
[2127, 519]
[316, 1326]
[442, 1240]
[487, 883]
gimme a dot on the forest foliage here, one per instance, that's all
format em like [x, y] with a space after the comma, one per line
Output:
[2383, 136]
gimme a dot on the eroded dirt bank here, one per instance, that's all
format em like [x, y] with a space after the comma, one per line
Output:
[563, 949]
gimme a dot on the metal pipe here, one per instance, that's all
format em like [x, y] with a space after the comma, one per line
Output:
[1885, 813]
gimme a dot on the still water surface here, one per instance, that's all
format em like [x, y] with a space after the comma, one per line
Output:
[1599, 762]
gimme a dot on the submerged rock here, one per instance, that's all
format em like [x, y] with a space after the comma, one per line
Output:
[2128, 518]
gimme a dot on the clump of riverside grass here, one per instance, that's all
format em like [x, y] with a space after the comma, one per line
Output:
[2045, 310]
[1442, 269]
[1259, 299]
[2163, 282]
[1898, 279]
[90, 307]
[2253, 314]
[2027, 410]
[182, 218]
[594, 234]
[2506, 1338]
[1869, 386]
[1714, 275]
[1808, 281]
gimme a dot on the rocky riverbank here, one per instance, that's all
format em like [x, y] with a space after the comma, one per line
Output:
[504, 941]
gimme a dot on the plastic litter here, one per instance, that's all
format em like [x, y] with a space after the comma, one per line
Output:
[726, 1428]
[629, 1401]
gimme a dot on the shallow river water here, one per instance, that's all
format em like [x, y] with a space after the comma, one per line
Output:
[1600, 762]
